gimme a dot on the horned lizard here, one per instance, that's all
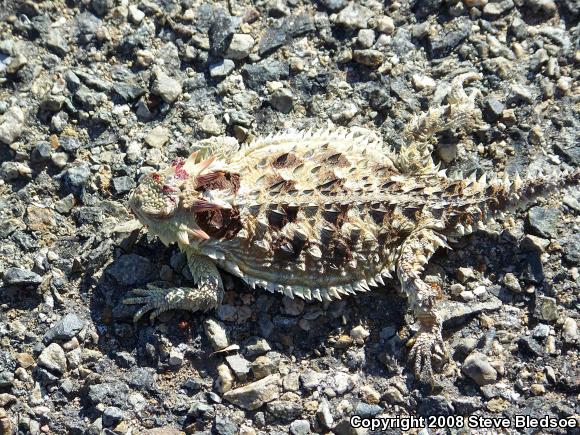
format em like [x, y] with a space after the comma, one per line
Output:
[322, 214]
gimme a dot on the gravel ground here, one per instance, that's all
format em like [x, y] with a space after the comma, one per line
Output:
[95, 93]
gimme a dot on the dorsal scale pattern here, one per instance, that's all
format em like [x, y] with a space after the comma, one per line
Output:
[312, 206]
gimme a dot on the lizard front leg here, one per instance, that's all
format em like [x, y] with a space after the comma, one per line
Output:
[422, 297]
[207, 294]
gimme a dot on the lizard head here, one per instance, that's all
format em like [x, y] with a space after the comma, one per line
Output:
[158, 194]
[176, 203]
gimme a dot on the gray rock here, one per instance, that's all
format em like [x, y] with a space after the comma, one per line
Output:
[65, 329]
[89, 99]
[282, 100]
[169, 89]
[58, 122]
[324, 415]
[56, 42]
[123, 184]
[53, 358]
[112, 416]
[367, 410]
[512, 283]
[520, 94]
[225, 426]
[255, 394]
[541, 331]
[131, 269]
[425, 8]
[274, 38]
[125, 359]
[239, 365]
[464, 405]
[571, 248]
[10, 171]
[143, 378]
[334, 5]
[201, 409]
[344, 427]
[19, 276]
[341, 383]
[291, 382]
[354, 16]
[89, 215]
[530, 345]
[285, 410]
[77, 176]
[282, 32]
[366, 38]
[311, 379]
[73, 82]
[478, 368]
[42, 151]
[11, 125]
[210, 125]
[69, 144]
[157, 137]
[240, 46]
[546, 308]
[109, 393]
[176, 358]
[278, 8]
[492, 109]
[496, 8]
[570, 330]
[368, 57]
[256, 346]
[136, 15]
[518, 28]
[534, 243]
[65, 204]
[6, 379]
[256, 75]
[129, 92]
[300, 427]
[456, 313]
[220, 33]
[442, 43]
[222, 68]
[101, 7]
[435, 405]
[263, 366]
[17, 62]
[543, 221]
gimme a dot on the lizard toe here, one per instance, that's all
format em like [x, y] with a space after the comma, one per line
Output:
[428, 348]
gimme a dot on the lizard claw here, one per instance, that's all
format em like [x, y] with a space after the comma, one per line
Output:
[427, 345]
[152, 298]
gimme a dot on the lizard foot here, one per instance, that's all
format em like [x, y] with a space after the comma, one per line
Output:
[156, 300]
[428, 346]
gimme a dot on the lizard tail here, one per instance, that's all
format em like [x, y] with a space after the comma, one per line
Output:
[518, 193]
[484, 200]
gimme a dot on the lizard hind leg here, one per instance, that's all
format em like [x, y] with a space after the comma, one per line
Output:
[207, 295]
[460, 113]
[428, 342]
